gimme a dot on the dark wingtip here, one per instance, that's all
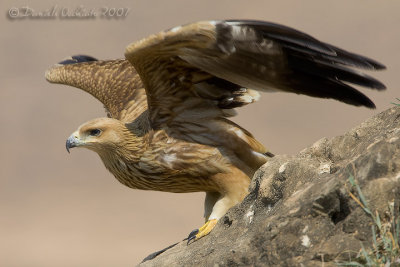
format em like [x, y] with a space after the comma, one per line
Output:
[377, 65]
[371, 105]
[372, 64]
[352, 59]
[378, 86]
[359, 99]
[77, 59]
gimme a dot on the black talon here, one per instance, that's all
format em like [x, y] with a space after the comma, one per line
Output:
[192, 236]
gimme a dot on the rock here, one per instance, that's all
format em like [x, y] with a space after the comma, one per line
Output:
[299, 211]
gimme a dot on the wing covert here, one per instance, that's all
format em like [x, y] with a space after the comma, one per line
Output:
[113, 82]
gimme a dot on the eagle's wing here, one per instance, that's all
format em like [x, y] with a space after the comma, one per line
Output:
[216, 60]
[113, 82]
[194, 74]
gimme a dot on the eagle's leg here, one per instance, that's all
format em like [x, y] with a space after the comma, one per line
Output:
[209, 203]
[215, 206]
[218, 204]
[232, 188]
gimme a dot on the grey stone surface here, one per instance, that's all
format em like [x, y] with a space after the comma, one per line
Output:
[299, 211]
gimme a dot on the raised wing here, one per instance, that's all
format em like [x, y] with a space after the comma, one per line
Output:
[250, 54]
[194, 74]
[115, 83]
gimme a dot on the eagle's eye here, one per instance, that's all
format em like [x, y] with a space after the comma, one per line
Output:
[95, 132]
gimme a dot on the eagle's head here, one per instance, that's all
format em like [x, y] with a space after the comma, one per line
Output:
[100, 135]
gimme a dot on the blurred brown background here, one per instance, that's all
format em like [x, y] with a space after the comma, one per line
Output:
[60, 209]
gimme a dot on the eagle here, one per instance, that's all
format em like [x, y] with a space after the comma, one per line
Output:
[168, 103]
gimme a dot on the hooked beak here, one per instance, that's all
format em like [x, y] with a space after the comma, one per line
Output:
[73, 141]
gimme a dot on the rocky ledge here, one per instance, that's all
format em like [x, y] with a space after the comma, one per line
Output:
[300, 211]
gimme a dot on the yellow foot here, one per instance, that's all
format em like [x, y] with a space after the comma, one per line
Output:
[202, 231]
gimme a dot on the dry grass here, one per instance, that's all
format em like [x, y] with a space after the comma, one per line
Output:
[385, 249]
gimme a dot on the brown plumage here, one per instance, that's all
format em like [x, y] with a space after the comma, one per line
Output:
[169, 101]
